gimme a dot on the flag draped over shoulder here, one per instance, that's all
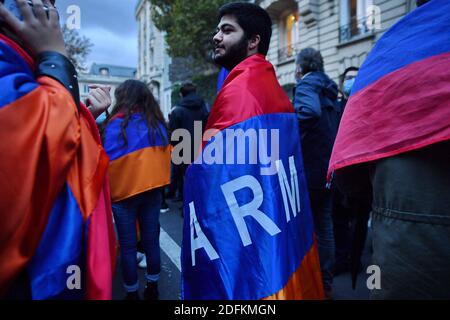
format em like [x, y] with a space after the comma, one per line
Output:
[401, 98]
[54, 197]
[248, 230]
[140, 165]
[221, 78]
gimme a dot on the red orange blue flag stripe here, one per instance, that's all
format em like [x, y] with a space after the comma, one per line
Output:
[401, 98]
[54, 200]
[247, 234]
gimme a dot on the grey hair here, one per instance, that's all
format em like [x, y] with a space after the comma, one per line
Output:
[310, 60]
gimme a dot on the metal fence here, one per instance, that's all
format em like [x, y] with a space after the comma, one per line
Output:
[284, 54]
[357, 27]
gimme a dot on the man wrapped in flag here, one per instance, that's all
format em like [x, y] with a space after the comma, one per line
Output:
[57, 239]
[394, 143]
[248, 230]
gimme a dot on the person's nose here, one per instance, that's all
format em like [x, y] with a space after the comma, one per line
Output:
[218, 37]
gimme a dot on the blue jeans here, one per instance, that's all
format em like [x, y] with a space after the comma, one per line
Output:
[321, 205]
[144, 207]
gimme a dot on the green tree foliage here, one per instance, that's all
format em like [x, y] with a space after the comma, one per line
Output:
[206, 88]
[189, 25]
[77, 47]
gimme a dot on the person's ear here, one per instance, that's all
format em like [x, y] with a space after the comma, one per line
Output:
[254, 42]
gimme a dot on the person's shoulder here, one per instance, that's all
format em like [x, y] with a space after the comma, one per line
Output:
[318, 80]
[176, 109]
[235, 92]
[309, 82]
[316, 77]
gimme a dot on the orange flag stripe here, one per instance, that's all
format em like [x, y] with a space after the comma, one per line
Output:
[40, 135]
[306, 282]
[139, 171]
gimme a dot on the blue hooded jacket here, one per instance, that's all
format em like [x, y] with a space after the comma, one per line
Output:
[318, 111]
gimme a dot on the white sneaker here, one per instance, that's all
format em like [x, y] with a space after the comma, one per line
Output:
[164, 210]
[143, 263]
[140, 256]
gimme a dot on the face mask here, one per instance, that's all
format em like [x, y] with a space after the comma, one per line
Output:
[348, 85]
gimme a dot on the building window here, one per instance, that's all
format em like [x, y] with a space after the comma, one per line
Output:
[411, 5]
[354, 16]
[152, 56]
[289, 30]
[154, 87]
[146, 72]
[104, 71]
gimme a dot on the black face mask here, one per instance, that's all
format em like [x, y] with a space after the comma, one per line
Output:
[421, 2]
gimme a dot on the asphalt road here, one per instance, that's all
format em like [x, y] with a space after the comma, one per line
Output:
[169, 284]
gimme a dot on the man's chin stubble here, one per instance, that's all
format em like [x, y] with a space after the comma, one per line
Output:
[219, 60]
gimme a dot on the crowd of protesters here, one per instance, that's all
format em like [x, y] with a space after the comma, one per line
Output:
[67, 190]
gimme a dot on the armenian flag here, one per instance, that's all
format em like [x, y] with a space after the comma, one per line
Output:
[401, 98]
[141, 164]
[248, 231]
[54, 194]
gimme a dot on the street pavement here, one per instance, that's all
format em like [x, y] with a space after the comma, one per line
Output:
[169, 284]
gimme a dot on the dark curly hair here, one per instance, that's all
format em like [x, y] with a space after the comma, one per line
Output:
[134, 96]
[253, 19]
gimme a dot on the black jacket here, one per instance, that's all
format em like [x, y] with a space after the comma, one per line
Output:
[318, 111]
[191, 108]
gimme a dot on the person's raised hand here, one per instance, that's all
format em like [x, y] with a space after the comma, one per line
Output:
[40, 31]
[99, 99]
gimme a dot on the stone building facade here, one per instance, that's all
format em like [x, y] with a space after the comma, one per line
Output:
[154, 62]
[343, 30]
[104, 74]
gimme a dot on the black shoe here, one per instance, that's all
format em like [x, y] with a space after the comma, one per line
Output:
[151, 291]
[132, 296]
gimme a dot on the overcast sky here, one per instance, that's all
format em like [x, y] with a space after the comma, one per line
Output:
[112, 28]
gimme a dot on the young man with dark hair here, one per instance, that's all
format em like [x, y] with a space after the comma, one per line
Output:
[348, 79]
[190, 109]
[54, 203]
[241, 234]
[187, 88]
[350, 216]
